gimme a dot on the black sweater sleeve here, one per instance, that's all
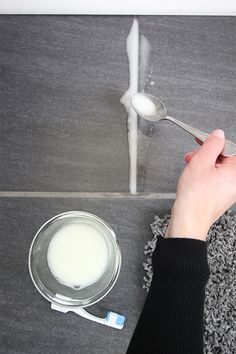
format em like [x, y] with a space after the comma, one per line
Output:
[172, 318]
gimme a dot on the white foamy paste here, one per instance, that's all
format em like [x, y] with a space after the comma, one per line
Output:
[143, 105]
[132, 47]
[77, 255]
[136, 52]
[145, 64]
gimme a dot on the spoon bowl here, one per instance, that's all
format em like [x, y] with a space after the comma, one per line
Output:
[149, 107]
[153, 109]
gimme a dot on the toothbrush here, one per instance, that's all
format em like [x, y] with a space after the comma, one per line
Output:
[112, 319]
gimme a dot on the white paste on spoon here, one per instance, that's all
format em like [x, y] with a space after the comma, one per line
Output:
[143, 105]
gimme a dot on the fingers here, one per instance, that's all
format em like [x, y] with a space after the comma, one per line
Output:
[227, 160]
[198, 141]
[188, 157]
[211, 149]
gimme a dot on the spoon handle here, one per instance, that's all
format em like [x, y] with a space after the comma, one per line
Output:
[229, 149]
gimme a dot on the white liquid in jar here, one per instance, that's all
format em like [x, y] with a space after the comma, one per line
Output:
[77, 255]
[143, 105]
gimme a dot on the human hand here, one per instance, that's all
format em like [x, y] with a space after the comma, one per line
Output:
[205, 190]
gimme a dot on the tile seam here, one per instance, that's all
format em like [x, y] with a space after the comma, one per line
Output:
[35, 194]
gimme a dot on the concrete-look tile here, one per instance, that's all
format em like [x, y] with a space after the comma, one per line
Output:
[62, 126]
[194, 74]
[28, 324]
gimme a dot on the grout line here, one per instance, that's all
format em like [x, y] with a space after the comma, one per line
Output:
[29, 194]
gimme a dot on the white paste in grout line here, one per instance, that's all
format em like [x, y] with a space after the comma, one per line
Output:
[132, 46]
[145, 65]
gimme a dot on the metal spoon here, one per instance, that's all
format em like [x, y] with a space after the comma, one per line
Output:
[153, 109]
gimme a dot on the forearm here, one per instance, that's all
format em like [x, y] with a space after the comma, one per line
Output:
[172, 318]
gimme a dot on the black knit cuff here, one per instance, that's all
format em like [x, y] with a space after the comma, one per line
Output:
[180, 258]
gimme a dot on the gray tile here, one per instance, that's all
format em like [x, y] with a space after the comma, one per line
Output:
[62, 126]
[194, 73]
[54, 138]
[27, 323]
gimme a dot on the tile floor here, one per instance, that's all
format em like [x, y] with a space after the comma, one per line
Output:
[63, 146]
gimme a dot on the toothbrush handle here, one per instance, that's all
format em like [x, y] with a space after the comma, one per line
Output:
[112, 319]
[229, 149]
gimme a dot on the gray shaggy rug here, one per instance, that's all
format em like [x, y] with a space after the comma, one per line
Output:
[220, 302]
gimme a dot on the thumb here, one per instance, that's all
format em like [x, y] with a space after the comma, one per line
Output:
[211, 148]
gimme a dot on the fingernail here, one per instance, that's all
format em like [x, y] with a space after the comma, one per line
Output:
[187, 155]
[219, 133]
